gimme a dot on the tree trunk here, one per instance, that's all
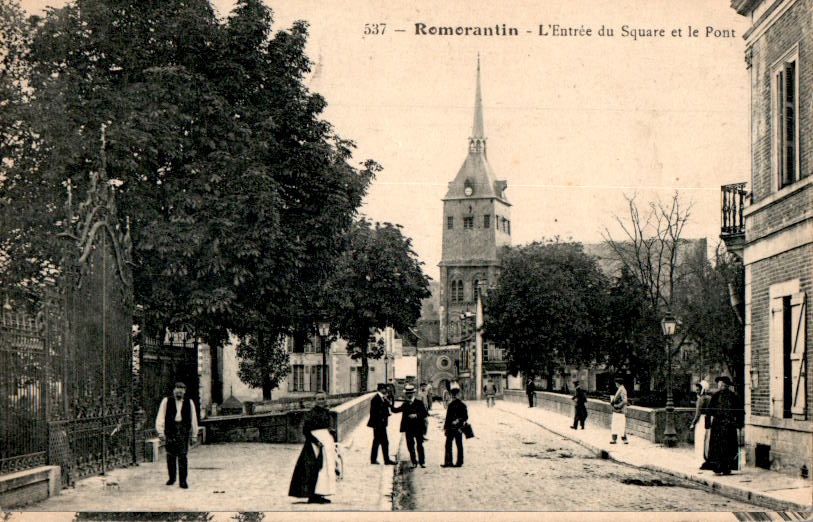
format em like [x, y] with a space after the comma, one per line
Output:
[262, 359]
[217, 381]
[364, 369]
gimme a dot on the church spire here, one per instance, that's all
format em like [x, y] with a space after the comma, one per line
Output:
[477, 141]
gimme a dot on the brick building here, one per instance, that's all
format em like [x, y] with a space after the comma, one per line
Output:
[476, 223]
[772, 229]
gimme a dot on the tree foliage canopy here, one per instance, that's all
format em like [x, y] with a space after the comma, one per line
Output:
[237, 191]
[378, 282]
[547, 309]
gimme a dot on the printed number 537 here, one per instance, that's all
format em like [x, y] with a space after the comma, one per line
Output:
[374, 29]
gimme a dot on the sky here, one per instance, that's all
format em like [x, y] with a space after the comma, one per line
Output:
[574, 123]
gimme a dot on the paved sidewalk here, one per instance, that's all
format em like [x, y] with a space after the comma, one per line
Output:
[767, 488]
[235, 477]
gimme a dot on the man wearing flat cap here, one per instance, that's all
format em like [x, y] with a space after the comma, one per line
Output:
[177, 422]
[726, 416]
[413, 413]
[379, 417]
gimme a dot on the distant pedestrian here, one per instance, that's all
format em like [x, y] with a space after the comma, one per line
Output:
[456, 416]
[619, 419]
[530, 389]
[725, 410]
[177, 422]
[429, 397]
[490, 390]
[379, 416]
[580, 398]
[699, 424]
[314, 475]
[413, 415]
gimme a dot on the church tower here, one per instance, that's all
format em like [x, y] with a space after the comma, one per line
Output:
[476, 223]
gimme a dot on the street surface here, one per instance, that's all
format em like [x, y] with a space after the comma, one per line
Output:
[513, 464]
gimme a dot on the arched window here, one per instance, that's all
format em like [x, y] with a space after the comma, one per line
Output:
[456, 291]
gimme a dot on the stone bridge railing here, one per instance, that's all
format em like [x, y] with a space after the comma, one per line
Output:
[646, 423]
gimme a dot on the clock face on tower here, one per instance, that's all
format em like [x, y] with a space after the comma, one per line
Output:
[467, 190]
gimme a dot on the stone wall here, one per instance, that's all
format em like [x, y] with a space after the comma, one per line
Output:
[283, 427]
[646, 423]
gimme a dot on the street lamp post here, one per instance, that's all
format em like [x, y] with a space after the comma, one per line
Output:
[324, 330]
[668, 324]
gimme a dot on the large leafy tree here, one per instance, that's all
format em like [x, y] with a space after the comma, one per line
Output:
[237, 191]
[378, 282]
[547, 309]
[704, 303]
[632, 341]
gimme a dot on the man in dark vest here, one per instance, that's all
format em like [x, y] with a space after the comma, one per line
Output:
[379, 416]
[456, 416]
[177, 422]
[413, 414]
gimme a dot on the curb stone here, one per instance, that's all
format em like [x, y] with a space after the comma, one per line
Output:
[722, 489]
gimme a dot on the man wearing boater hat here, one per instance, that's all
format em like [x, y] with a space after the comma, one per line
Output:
[725, 411]
[177, 422]
[413, 413]
[456, 416]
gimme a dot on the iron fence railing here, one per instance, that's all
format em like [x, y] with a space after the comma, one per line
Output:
[733, 199]
[23, 410]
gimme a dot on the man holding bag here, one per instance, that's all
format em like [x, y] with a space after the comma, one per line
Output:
[456, 416]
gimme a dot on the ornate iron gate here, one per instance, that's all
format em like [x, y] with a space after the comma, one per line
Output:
[96, 428]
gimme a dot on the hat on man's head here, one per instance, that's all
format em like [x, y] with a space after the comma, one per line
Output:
[724, 378]
[409, 388]
[179, 384]
[619, 380]
[382, 386]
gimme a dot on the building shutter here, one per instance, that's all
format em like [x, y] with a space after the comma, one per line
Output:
[291, 380]
[775, 363]
[798, 359]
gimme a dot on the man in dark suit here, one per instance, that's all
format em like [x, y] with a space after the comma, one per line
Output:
[379, 414]
[456, 416]
[413, 413]
[177, 422]
[580, 398]
[530, 390]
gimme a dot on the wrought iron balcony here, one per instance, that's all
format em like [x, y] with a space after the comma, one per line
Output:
[732, 230]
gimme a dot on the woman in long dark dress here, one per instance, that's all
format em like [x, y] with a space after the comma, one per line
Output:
[725, 410]
[309, 463]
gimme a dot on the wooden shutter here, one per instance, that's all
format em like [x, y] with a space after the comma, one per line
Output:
[798, 359]
[775, 361]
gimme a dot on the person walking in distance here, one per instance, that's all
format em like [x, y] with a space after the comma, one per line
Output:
[701, 434]
[456, 416]
[580, 398]
[429, 396]
[725, 410]
[379, 416]
[413, 413]
[490, 390]
[530, 389]
[177, 423]
[619, 419]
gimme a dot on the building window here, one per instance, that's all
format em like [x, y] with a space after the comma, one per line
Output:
[508, 225]
[486, 221]
[456, 292]
[449, 222]
[788, 379]
[786, 119]
[468, 222]
[299, 377]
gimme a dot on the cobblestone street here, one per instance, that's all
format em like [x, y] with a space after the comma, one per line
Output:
[513, 464]
[234, 477]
